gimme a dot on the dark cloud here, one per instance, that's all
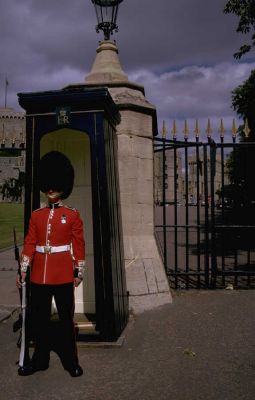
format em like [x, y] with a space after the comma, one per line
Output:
[168, 45]
[167, 33]
[194, 92]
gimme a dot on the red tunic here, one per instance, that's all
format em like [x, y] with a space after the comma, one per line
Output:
[59, 226]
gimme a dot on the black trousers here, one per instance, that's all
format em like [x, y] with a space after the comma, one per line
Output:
[49, 334]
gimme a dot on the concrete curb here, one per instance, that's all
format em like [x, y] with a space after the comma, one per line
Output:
[6, 314]
[109, 345]
[8, 269]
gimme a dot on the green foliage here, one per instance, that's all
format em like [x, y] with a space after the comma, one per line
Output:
[243, 102]
[226, 192]
[10, 152]
[241, 161]
[245, 10]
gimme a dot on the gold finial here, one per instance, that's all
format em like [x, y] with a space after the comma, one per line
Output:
[209, 129]
[186, 130]
[197, 129]
[222, 129]
[164, 131]
[174, 130]
[3, 131]
[22, 136]
[233, 129]
[246, 128]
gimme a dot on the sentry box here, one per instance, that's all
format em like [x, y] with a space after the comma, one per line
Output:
[81, 123]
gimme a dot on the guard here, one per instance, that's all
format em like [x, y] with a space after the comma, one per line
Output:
[54, 249]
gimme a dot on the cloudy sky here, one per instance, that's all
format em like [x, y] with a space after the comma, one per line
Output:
[180, 50]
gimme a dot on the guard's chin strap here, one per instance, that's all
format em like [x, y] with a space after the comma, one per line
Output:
[55, 205]
[54, 195]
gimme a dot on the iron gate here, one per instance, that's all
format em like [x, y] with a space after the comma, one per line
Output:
[205, 212]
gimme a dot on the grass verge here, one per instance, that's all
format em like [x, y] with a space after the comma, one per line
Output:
[11, 216]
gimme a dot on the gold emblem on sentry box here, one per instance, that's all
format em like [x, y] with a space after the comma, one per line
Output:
[63, 219]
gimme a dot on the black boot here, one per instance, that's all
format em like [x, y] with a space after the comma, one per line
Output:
[25, 370]
[75, 370]
[31, 369]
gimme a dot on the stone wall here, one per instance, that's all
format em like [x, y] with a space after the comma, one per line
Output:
[146, 279]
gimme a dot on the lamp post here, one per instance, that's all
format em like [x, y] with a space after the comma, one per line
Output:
[106, 12]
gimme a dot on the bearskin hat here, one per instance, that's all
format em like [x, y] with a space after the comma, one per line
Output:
[56, 173]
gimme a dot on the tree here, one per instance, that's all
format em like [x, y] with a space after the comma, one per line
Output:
[243, 102]
[241, 162]
[245, 10]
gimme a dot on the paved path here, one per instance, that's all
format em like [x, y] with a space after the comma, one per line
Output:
[200, 347]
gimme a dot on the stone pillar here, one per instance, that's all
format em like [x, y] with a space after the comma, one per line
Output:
[146, 279]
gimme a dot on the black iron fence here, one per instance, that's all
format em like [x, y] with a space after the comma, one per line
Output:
[205, 211]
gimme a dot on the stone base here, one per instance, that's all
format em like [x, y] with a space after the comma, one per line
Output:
[139, 304]
[147, 284]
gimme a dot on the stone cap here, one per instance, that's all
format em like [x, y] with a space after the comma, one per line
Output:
[106, 67]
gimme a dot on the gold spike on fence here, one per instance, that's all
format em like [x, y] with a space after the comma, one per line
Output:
[209, 128]
[197, 129]
[222, 129]
[246, 128]
[174, 129]
[164, 130]
[233, 129]
[186, 129]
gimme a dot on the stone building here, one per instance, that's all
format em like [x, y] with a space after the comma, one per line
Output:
[12, 157]
[12, 127]
[193, 182]
[172, 173]
[195, 177]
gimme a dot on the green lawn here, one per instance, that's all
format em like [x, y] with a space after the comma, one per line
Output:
[11, 215]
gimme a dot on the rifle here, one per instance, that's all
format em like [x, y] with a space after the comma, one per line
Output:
[22, 323]
[24, 346]
[16, 249]
[17, 324]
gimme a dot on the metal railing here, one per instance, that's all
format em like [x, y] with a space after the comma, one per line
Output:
[205, 209]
